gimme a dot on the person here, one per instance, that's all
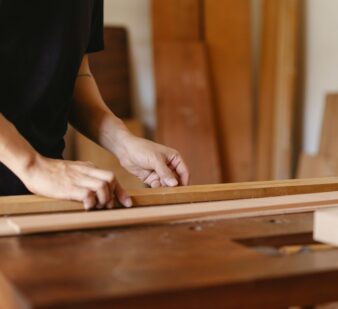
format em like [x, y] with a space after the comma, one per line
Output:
[46, 83]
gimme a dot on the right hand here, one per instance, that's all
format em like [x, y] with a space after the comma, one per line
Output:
[78, 181]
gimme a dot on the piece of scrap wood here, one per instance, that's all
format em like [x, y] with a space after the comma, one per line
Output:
[151, 215]
[325, 227]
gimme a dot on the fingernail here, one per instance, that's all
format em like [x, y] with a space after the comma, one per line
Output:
[128, 203]
[171, 182]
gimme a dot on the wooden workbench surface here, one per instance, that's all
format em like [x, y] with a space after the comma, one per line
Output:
[192, 265]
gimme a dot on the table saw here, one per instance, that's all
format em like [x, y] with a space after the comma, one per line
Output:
[235, 256]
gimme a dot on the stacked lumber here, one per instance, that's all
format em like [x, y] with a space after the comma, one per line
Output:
[325, 162]
[278, 98]
[185, 111]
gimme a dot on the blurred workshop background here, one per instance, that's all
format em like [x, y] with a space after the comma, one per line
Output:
[245, 89]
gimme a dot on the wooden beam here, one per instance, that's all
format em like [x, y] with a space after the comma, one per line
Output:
[19, 205]
[234, 191]
[186, 119]
[228, 36]
[136, 216]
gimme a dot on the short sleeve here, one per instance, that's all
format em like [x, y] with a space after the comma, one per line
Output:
[96, 40]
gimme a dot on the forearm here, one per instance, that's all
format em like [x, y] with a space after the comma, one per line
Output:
[91, 116]
[15, 152]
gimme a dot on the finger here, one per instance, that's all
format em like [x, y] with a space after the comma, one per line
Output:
[179, 166]
[153, 180]
[101, 188]
[84, 195]
[122, 196]
[167, 177]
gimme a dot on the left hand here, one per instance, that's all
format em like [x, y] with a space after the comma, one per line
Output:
[155, 164]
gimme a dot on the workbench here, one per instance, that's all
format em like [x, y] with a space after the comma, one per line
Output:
[214, 263]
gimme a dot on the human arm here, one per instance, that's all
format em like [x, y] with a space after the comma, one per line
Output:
[77, 181]
[154, 164]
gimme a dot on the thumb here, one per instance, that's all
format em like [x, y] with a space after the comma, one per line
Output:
[166, 175]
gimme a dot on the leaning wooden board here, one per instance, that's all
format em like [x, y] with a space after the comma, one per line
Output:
[111, 69]
[21, 205]
[177, 20]
[227, 32]
[17, 225]
[278, 101]
[185, 108]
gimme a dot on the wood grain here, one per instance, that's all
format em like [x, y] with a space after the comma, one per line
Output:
[278, 105]
[233, 191]
[111, 69]
[177, 20]
[228, 37]
[185, 114]
[151, 215]
[17, 205]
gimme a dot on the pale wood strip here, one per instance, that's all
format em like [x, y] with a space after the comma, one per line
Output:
[126, 217]
[16, 205]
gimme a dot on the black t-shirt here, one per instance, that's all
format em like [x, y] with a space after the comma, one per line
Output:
[42, 43]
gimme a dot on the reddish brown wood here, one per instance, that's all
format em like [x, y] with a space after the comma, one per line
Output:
[177, 20]
[227, 31]
[185, 117]
[112, 71]
[190, 265]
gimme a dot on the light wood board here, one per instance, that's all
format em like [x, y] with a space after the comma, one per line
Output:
[329, 134]
[185, 115]
[279, 86]
[19, 205]
[225, 209]
[228, 36]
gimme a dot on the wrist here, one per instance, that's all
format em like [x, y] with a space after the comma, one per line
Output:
[116, 137]
[26, 164]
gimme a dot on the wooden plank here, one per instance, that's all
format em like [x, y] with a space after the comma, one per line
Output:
[86, 150]
[278, 104]
[328, 144]
[111, 69]
[235, 191]
[226, 209]
[266, 106]
[314, 166]
[16, 205]
[177, 20]
[184, 111]
[228, 37]
[286, 87]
